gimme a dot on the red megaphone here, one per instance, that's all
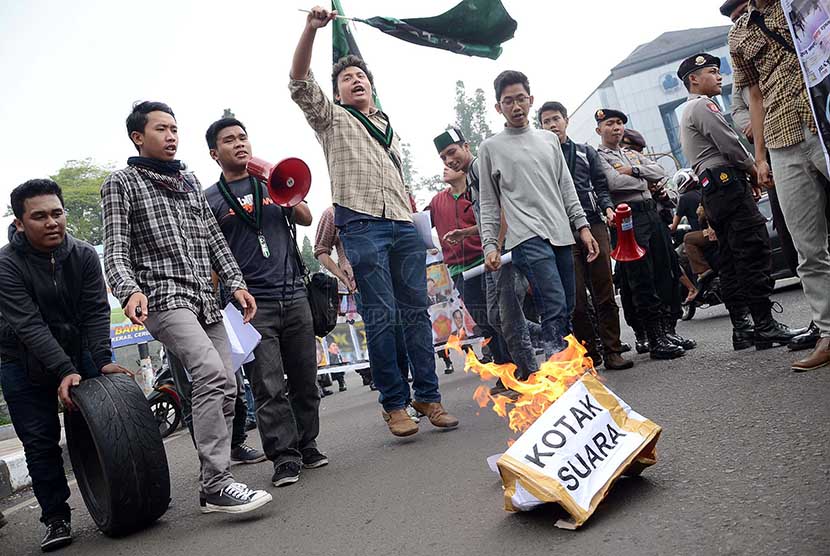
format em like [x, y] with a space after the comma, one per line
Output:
[288, 181]
[627, 249]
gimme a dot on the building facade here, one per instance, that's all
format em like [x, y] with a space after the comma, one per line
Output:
[645, 87]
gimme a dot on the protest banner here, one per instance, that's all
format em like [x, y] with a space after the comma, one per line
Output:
[576, 450]
[809, 22]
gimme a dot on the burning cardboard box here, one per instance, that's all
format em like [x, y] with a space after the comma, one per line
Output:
[578, 437]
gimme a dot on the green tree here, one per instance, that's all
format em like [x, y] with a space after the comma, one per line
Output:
[307, 252]
[81, 182]
[228, 113]
[471, 115]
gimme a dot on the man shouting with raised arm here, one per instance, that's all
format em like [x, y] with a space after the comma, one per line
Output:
[373, 213]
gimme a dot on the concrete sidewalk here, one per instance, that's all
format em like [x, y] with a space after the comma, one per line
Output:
[14, 474]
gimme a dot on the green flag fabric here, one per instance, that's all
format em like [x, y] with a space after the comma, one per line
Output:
[473, 27]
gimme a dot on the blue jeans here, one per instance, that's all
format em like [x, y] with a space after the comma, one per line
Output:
[504, 308]
[389, 262]
[34, 412]
[550, 270]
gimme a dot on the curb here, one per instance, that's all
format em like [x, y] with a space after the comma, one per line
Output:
[14, 473]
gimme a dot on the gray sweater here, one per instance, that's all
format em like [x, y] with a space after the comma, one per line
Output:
[523, 172]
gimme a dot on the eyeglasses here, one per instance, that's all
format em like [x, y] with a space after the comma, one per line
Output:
[509, 101]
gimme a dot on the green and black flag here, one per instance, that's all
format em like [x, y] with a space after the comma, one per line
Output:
[473, 27]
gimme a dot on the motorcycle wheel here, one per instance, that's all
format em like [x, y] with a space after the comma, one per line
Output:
[166, 412]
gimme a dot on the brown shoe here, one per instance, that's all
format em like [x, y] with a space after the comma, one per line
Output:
[437, 415]
[399, 423]
[819, 358]
[616, 362]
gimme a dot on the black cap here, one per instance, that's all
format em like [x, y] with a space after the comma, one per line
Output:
[634, 138]
[729, 6]
[452, 135]
[696, 62]
[607, 113]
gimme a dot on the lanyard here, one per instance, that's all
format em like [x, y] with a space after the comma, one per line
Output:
[254, 222]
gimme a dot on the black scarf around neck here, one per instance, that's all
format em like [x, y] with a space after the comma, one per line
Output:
[165, 167]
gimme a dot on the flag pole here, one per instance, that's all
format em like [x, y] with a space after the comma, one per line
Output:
[338, 16]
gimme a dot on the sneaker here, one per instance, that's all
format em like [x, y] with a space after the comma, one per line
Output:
[312, 459]
[449, 370]
[236, 498]
[58, 534]
[286, 474]
[342, 388]
[413, 414]
[245, 454]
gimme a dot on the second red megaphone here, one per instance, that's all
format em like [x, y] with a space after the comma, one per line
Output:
[627, 249]
[288, 181]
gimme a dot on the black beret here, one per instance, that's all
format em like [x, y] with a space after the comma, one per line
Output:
[729, 6]
[607, 113]
[452, 135]
[696, 62]
[635, 138]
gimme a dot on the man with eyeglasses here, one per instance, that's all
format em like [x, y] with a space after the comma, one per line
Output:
[523, 172]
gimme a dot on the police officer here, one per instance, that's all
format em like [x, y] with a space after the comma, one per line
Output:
[726, 170]
[635, 180]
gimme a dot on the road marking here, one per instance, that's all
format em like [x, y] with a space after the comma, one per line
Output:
[21, 505]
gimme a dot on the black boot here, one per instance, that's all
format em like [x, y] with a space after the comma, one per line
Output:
[742, 327]
[640, 340]
[659, 346]
[769, 331]
[669, 325]
[807, 340]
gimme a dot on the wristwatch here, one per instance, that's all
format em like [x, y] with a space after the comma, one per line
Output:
[635, 171]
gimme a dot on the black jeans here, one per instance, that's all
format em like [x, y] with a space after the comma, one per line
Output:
[288, 423]
[745, 256]
[185, 389]
[34, 412]
[652, 281]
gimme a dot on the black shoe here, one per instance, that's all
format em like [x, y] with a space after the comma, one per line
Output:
[625, 347]
[616, 362]
[641, 341]
[807, 340]
[58, 534]
[250, 425]
[325, 392]
[742, 328]
[769, 331]
[342, 388]
[671, 334]
[286, 473]
[659, 346]
[372, 386]
[245, 454]
[449, 370]
[312, 459]
[2, 520]
[236, 498]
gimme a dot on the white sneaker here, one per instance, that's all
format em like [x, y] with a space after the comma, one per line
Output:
[236, 498]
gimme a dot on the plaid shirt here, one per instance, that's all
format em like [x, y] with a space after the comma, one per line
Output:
[363, 176]
[164, 243]
[761, 60]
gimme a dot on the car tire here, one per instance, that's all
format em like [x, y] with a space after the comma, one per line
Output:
[117, 454]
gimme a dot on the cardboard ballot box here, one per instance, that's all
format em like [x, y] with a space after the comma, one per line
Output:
[575, 451]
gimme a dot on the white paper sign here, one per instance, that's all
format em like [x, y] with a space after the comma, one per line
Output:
[423, 224]
[577, 443]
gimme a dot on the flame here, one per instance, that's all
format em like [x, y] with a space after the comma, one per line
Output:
[537, 393]
[453, 342]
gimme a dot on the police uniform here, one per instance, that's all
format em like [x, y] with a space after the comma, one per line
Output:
[651, 281]
[723, 166]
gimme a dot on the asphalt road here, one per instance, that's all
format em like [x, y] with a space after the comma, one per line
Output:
[742, 469]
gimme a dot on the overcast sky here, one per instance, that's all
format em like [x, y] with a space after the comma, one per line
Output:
[72, 69]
